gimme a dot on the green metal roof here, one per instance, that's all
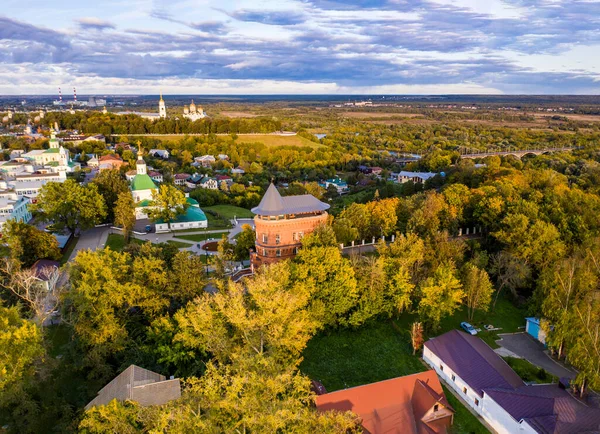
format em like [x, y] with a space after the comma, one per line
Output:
[192, 201]
[193, 214]
[143, 182]
[144, 203]
[52, 151]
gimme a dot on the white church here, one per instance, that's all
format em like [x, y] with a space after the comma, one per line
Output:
[193, 113]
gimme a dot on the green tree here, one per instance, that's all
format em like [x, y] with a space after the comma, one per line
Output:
[70, 206]
[111, 185]
[244, 241]
[124, 213]
[27, 243]
[167, 204]
[441, 295]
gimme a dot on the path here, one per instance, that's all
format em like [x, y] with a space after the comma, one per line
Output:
[534, 352]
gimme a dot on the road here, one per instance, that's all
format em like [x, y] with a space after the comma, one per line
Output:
[96, 238]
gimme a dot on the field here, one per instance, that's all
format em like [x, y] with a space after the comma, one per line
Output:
[201, 237]
[273, 140]
[238, 115]
[179, 244]
[116, 242]
[230, 211]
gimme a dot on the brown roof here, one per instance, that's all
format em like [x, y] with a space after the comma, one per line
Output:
[42, 267]
[110, 157]
[272, 204]
[400, 405]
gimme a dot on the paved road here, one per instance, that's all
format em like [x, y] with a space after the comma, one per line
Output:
[533, 351]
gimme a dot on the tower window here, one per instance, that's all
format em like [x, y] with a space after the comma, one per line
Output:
[278, 252]
[265, 238]
[436, 407]
[277, 239]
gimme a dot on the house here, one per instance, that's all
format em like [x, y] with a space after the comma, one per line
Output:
[162, 153]
[532, 327]
[44, 271]
[223, 157]
[237, 171]
[180, 178]
[209, 183]
[224, 178]
[96, 138]
[110, 161]
[194, 218]
[205, 160]
[13, 207]
[124, 146]
[370, 170]
[414, 404]
[29, 184]
[156, 176]
[495, 392]
[340, 186]
[416, 177]
[16, 153]
[194, 181]
[93, 162]
[140, 385]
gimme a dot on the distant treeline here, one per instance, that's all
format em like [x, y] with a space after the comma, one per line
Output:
[98, 123]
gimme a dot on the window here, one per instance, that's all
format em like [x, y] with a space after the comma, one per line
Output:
[436, 407]
[278, 252]
[441, 367]
[277, 239]
[294, 236]
[476, 402]
[265, 238]
[453, 377]
[465, 390]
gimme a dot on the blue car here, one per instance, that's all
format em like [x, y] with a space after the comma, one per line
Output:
[468, 328]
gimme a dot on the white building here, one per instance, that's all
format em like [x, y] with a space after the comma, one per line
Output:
[162, 108]
[192, 113]
[29, 185]
[142, 188]
[205, 160]
[495, 392]
[416, 177]
[13, 207]
[162, 153]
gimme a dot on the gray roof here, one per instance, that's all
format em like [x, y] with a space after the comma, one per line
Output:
[272, 204]
[140, 385]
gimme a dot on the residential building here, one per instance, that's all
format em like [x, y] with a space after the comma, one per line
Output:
[416, 177]
[414, 404]
[281, 222]
[194, 218]
[209, 183]
[181, 178]
[162, 153]
[156, 176]
[140, 385]
[223, 157]
[494, 391]
[224, 179]
[193, 113]
[13, 207]
[45, 270]
[111, 161]
[93, 162]
[340, 186]
[370, 170]
[205, 160]
[194, 181]
[238, 171]
[29, 184]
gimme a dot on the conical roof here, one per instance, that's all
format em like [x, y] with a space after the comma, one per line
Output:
[271, 203]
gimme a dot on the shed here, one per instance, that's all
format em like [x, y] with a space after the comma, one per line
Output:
[532, 327]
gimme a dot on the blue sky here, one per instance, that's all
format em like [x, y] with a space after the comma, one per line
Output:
[300, 46]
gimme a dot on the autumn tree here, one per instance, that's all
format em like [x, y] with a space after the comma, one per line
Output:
[441, 295]
[27, 243]
[478, 289]
[416, 336]
[167, 204]
[124, 214]
[70, 206]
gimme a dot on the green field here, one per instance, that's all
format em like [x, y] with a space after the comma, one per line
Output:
[179, 244]
[272, 141]
[230, 211]
[201, 237]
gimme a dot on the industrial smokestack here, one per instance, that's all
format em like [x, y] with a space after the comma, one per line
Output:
[59, 95]
[74, 95]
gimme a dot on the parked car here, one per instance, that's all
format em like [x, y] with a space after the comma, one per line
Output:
[468, 328]
[148, 229]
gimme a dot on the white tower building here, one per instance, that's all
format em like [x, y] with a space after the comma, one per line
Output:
[162, 109]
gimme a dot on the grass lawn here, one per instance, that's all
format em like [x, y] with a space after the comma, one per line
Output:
[116, 242]
[529, 372]
[201, 237]
[272, 140]
[375, 352]
[179, 244]
[231, 211]
[216, 222]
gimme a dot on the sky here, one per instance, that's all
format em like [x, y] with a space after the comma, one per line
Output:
[300, 46]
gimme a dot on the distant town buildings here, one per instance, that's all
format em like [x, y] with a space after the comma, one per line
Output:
[416, 177]
[162, 153]
[340, 186]
[13, 207]
[193, 113]
[282, 222]
[205, 160]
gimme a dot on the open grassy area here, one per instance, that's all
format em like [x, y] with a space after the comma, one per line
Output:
[272, 140]
[230, 211]
[216, 221]
[179, 244]
[529, 372]
[378, 351]
[116, 242]
[201, 237]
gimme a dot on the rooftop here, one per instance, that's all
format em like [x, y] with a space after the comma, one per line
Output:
[142, 182]
[272, 204]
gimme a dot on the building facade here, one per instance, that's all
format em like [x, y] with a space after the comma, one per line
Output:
[282, 222]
